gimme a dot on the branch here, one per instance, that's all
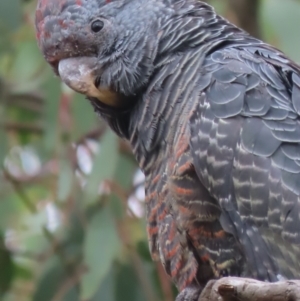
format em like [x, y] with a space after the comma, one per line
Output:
[245, 289]
[20, 192]
[23, 126]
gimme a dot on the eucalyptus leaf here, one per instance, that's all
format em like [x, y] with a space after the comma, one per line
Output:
[104, 166]
[52, 91]
[54, 277]
[84, 116]
[65, 180]
[127, 287]
[107, 288]
[101, 247]
[10, 14]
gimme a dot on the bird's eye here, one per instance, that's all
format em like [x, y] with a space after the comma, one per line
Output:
[97, 25]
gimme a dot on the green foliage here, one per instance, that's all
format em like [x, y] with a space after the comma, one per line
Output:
[71, 221]
[6, 265]
[101, 234]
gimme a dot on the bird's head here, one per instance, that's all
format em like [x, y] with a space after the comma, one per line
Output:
[100, 48]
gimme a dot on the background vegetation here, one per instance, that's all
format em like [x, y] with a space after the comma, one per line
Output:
[71, 195]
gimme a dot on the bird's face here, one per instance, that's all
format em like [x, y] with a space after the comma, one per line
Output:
[98, 44]
[73, 28]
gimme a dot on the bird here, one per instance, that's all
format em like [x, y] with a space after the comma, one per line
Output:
[212, 115]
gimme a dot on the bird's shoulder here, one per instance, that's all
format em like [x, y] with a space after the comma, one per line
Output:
[250, 80]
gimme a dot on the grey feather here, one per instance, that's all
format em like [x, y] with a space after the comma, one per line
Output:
[206, 106]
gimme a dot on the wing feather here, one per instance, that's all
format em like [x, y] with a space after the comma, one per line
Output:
[246, 151]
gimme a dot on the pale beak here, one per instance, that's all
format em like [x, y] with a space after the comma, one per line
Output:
[79, 73]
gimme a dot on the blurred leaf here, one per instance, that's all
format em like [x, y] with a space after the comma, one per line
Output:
[52, 280]
[52, 90]
[22, 271]
[116, 205]
[11, 209]
[84, 116]
[26, 65]
[106, 290]
[126, 168]
[101, 247]
[6, 267]
[123, 176]
[127, 287]
[10, 14]
[284, 18]
[5, 44]
[3, 134]
[76, 230]
[143, 250]
[65, 179]
[104, 165]
[3, 144]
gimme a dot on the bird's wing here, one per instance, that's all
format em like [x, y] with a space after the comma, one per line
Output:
[245, 143]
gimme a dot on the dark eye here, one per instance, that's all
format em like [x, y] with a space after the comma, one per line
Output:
[97, 25]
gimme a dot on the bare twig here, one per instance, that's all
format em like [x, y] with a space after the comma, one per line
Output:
[245, 289]
[29, 101]
[93, 134]
[22, 126]
[20, 192]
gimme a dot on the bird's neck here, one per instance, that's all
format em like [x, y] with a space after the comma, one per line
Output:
[173, 88]
[186, 38]
[164, 108]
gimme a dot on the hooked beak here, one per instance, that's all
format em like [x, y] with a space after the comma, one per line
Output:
[82, 75]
